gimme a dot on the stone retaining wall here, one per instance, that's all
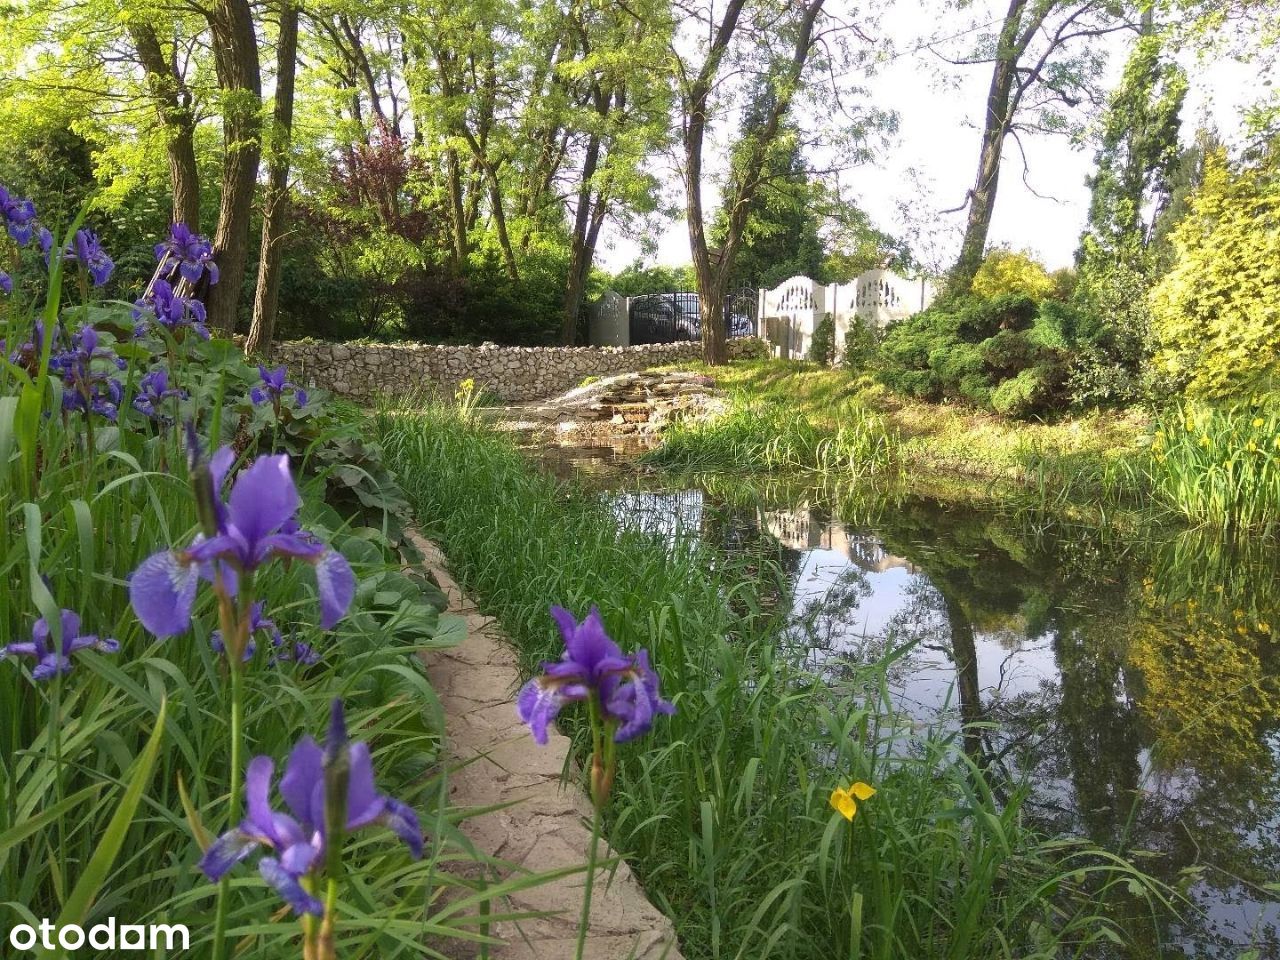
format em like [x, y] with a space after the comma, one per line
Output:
[512, 374]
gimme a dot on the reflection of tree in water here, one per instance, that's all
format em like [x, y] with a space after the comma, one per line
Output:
[1129, 680]
[1191, 700]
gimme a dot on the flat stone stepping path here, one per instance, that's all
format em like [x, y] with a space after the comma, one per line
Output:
[548, 824]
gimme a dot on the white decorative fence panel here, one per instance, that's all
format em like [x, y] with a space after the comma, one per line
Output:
[791, 312]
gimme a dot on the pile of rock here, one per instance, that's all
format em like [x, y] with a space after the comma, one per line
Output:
[627, 406]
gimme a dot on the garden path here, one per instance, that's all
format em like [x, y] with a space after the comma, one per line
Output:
[546, 825]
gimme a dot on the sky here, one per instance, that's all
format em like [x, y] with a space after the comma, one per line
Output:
[932, 159]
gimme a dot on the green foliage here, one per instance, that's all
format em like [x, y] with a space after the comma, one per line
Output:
[1214, 320]
[637, 279]
[1007, 272]
[1219, 466]
[822, 345]
[769, 436]
[114, 775]
[1003, 353]
[861, 345]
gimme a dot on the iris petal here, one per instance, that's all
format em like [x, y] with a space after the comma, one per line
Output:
[363, 803]
[163, 591]
[336, 584]
[287, 885]
[225, 852]
[263, 497]
[402, 819]
[303, 771]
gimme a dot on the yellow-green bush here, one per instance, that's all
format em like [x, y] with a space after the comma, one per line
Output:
[1007, 272]
[1216, 314]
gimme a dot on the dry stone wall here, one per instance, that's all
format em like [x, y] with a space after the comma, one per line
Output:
[512, 374]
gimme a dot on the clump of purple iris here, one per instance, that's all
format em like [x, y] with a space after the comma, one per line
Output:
[256, 523]
[186, 253]
[172, 311]
[302, 840]
[623, 686]
[273, 387]
[86, 370]
[19, 217]
[6, 283]
[86, 250]
[282, 651]
[51, 659]
[153, 391]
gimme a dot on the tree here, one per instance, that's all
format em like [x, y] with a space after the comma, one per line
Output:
[624, 119]
[780, 238]
[1138, 154]
[697, 78]
[1035, 77]
[275, 218]
[1213, 315]
[235, 54]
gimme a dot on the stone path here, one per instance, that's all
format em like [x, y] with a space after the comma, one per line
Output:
[548, 826]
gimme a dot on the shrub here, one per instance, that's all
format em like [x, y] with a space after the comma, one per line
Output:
[822, 345]
[861, 345]
[1011, 272]
[1214, 315]
[965, 348]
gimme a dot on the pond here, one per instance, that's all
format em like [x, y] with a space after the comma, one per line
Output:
[1132, 681]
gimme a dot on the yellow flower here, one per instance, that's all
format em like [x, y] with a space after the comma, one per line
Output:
[1242, 630]
[1204, 440]
[1264, 627]
[1258, 421]
[1251, 446]
[844, 800]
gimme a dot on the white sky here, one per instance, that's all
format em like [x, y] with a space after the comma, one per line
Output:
[932, 160]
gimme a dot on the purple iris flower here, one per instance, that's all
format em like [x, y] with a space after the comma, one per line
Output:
[593, 665]
[171, 311]
[19, 216]
[6, 283]
[273, 387]
[153, 391]
[49, 661]
[298, 838]
[86, 373]
[87, 251]
[188, 254]
[256, 523]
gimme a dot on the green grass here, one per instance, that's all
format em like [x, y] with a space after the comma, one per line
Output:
[798, 416]
[724, 810]
[765, 436]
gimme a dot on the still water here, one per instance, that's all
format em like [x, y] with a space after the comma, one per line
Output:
[1133, 679]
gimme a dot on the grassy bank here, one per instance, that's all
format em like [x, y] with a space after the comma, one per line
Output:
[724, 809]
[1208, 466]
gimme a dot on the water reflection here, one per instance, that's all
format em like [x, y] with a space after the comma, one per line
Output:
[1137, 681]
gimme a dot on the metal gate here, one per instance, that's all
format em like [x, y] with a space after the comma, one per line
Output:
[677, 315]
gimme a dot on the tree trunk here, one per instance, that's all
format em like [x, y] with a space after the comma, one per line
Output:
[235, 49]
[964, 652]
[275, 219]
[999, 117]
[580, 255]
[173, 104]
[713, 272]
